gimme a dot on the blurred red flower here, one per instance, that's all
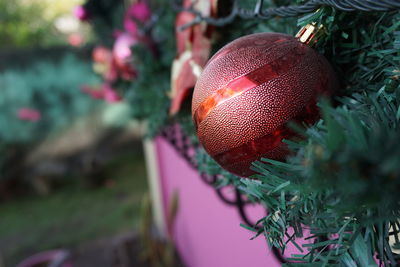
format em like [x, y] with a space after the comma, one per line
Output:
[105, 92]
[138, 12]
[81, 13]
[29, 114]
[93, 92]
[101, 54]
[75, 39]
[110, 95]
[122, 56]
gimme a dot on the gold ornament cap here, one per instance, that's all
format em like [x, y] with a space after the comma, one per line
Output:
[310, 33]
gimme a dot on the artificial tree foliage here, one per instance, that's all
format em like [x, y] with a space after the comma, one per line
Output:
[340, 184]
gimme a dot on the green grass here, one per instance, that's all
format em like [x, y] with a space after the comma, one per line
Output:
[73, 215]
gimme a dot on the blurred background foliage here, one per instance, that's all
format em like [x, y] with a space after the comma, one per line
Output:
[72, 171]
[52, 88]
[26, 23]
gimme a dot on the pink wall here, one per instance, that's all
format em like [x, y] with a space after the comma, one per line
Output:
[207, 231]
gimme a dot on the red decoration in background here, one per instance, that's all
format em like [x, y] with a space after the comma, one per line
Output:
[81, 13]
[110, 95]
[29, 114]
[105, 92]
[249, 90]
[93, 92]
[76, 39]
[122, 56]
[138, 12]
[118, 63]
[104, 63]
[101, 54]
[193, 51]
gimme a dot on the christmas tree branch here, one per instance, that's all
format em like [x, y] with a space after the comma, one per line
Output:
[285, 11]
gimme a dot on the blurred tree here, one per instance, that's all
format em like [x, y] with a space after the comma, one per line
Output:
[35, 102]
[44, 97]
[31, 22]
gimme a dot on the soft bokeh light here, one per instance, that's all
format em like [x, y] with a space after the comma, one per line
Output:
[67, 24]
[53, 9]
[26, 23]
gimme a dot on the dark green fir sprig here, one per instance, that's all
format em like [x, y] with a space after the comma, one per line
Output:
[341, 185]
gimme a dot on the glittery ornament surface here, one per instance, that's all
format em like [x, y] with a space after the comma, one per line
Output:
[249, 90]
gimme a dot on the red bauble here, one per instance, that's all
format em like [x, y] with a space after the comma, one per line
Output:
[249, 90]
